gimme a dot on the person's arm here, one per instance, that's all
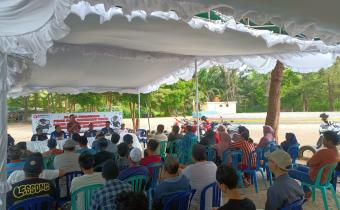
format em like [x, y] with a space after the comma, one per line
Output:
[315, 159]
[273, 201]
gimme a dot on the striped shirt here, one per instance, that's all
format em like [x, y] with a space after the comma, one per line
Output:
[247, 148]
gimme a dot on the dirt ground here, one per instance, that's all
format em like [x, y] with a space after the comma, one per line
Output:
[306, 132]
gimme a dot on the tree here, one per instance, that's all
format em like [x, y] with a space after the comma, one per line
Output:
[273, 109]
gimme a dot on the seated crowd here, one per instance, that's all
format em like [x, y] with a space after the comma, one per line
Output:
[113, 167]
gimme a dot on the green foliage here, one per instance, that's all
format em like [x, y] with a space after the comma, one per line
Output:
[319, 91]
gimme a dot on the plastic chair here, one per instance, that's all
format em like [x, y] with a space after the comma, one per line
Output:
[173, 148]
[335, 179]
[37, 203]
[216, 196]
[235, 156]
[323, 187]
[294, 153]
[211, 154]
[138, 182]
[185, 150]
[155, 168]
[263, 163]
[252, 171]
[87, 192]
[162, 148]
[69, 177]
[296, 205]
[180, 200]
[48, 161]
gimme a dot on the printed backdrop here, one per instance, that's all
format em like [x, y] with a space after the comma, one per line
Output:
[48, 121]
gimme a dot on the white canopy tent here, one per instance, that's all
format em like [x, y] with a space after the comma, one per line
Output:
[140, 46]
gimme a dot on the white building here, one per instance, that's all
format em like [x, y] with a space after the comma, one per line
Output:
[219, 108]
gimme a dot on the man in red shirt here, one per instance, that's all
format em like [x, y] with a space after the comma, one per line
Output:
[73, 126]
[329, 155]
[151, 155]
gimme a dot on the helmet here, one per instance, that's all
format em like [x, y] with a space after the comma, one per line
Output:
[324, 116]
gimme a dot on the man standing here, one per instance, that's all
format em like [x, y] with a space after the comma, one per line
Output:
[73, 126]
[107, 129]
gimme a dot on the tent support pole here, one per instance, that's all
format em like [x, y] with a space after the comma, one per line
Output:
[197, 106]
[3, 129]
[138, 111]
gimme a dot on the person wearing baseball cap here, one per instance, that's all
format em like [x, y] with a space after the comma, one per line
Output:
[32, 186]
[134, 169]
[285, 190]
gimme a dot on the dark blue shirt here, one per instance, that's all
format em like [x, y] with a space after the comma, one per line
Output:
[107, 130]
[56, 135]
[133, 171]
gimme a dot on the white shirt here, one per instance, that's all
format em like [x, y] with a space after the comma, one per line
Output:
[19, 175]
[200, 175]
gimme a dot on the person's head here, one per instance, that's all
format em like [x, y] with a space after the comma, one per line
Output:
[290, 137]
[52, 144]
[115, 137]
[131, 201]
[175, 129]
[245, 135]
[279, 161]
[331, 139]
[86, 162]
[39, 130]
[242, 129]
[75, 137]
[135, 156]
[57, 128]
[171, 166]
[128, 138]
[160, 128]
[189, 129]
[21, 145]
[33, 166]
[82, 141]
[199, 153]
[324, 117]
[123, 149]
[122, 126]
[102, 143]
[268, 129]
[221, 128]
[14, 153]
[152, 147]
[91, 126]
[107, 124]
[227, 178]
[203, 118]
[110, 170]
[72, 118]
[69, 146]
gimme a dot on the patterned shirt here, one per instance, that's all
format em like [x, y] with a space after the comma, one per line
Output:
[247, 148]
[105, 197]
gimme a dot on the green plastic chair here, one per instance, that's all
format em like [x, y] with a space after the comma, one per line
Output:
[162, 148]
[48, 161]
[87, 192]
[173, 148]
[323, 187]
[138, 182]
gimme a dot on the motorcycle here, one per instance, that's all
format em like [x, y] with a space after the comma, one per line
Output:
[323, 128]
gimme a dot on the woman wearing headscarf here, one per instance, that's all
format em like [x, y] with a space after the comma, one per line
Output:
[268, 136]
[290, 141]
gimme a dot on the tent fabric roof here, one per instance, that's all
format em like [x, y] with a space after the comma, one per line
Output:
[138, 51]
[313, 18]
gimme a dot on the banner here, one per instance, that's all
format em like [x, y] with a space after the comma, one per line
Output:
[48, 121]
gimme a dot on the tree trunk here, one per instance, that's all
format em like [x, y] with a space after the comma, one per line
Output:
[133, 117]
[109, 101]
[331, 100]
[49, 106]
[305, 102]
[273, 109]
[25, 108]
[35, 95]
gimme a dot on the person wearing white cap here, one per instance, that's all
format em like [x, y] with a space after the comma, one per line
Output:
[134, 169]
[285, 190]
